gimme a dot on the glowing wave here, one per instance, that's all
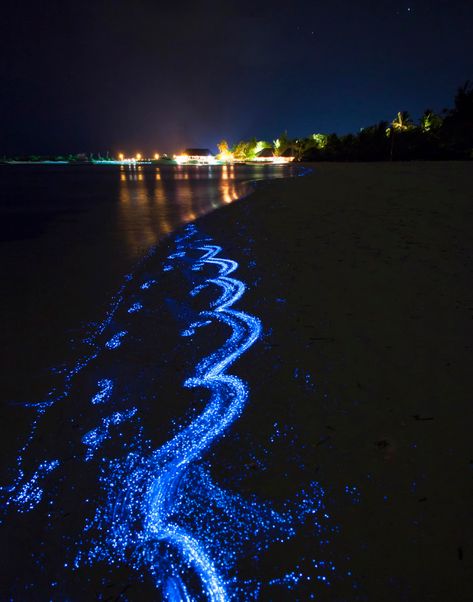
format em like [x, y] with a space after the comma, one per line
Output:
[163, 515]
[160, 477]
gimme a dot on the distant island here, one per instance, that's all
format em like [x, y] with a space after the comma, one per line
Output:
[436, 136]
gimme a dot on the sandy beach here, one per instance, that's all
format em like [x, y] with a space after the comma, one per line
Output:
[343, 475]
[361, 274]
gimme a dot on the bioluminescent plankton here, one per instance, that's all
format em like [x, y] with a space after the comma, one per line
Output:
[160, 511]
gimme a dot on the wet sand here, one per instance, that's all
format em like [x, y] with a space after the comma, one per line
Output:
[362, 277]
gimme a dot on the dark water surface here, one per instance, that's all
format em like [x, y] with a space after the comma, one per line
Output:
[68, 236]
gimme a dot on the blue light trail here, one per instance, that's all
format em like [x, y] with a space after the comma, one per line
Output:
[29, 494]
[161, 474]
[160, 512]
[94, 438]
[105, 390]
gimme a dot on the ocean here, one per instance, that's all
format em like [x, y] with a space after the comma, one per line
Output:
[69, 234]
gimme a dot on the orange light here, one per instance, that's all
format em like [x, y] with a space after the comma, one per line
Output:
[121, 156]
[138, 156]
[226, 157]
[156, 156]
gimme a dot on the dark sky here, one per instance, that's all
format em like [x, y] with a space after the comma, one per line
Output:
[148, 75]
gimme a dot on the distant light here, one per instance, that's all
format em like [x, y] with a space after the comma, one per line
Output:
[138, 156]
[156, 156]
[226, 157]
[182, 158]
[121, 156]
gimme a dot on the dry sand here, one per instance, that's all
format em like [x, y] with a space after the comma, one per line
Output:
[362, 275]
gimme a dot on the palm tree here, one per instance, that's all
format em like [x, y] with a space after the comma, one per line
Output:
[401, 123]
[430, 121]
[281, 143]
[320, 140]
[223, 147]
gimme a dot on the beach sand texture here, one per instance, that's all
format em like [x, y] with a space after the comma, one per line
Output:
[362, 276]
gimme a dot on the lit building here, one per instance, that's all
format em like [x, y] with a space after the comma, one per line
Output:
[288, 155]
[196, 156]
[265, 156]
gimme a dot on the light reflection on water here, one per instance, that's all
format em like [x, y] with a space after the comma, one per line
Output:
[70, 233]
[154, 201]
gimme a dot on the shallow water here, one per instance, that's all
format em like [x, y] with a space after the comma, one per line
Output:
[69, 235]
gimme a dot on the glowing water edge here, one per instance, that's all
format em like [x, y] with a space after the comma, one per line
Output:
[144, 504]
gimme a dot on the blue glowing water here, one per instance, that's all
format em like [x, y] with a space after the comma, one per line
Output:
[105, 390]
[154, 505]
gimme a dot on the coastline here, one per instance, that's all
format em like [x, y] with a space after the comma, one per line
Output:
[361, 275]
[56, 294]
[358, 401]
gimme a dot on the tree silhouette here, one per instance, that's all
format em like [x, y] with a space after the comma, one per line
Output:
[464, 102]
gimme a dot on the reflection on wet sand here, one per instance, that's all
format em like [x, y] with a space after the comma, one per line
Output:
[156, 201]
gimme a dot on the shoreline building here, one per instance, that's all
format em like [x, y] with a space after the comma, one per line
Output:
[267, 156]
[288, 155]
[196, 156]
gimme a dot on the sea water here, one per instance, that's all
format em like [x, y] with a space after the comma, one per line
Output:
[70, 233]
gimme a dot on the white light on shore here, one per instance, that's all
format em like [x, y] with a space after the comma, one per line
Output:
[181, 158]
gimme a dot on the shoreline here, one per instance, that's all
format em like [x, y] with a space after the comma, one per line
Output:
[355, 429]
[70, 301]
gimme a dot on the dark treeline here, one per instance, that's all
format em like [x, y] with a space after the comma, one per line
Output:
[445, 135]
[448, 135]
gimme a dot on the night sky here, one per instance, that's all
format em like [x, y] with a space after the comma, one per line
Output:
[146, 75]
